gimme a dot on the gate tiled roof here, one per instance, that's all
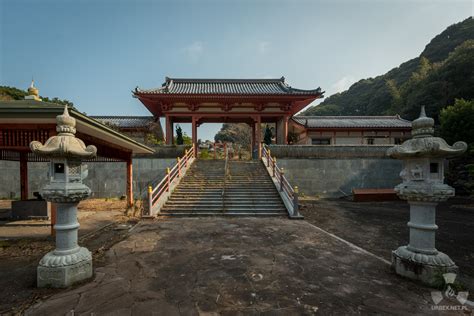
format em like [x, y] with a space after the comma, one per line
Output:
[228, 86]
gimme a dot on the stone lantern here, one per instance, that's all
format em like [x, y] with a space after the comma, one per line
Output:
[423, 176]
[68, 263]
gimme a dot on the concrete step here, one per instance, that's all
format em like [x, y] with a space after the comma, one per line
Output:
[199, 214]
[221, 210]
[226, 203]
[249, 191]
[230, 199]
[234, 208]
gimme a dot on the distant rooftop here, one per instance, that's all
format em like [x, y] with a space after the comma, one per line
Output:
[352, 121]
[228, 86]
[126, 121]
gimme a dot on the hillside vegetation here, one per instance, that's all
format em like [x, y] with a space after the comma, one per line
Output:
[443, 72]
[11, 93]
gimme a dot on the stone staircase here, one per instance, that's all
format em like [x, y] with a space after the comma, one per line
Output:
[247, 191]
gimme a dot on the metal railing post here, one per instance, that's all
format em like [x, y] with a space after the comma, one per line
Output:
[179, 167]
[185, 158]
[268, 157]
[150, 199]
[282, 174]
[274, 164]
[168, 179]
[295, 202]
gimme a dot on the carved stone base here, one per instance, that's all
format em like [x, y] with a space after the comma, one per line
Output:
[60, 271]
[422, 267]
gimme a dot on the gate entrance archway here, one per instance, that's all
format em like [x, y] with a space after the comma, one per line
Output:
[251, 101]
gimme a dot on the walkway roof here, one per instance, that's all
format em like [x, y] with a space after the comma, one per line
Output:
[26, 114]
[352, 122]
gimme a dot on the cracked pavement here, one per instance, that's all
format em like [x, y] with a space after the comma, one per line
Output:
[233, 266]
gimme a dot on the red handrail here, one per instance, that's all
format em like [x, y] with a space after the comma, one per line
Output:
[283, 185]
[182, 164]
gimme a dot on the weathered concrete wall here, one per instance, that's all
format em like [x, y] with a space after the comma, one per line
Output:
[333, 171]
[329, 151]
[327, 171]
[336, 177]
[106, 179]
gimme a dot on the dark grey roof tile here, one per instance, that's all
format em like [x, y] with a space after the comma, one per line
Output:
[125, 121]
[227, 86]
[352, 121]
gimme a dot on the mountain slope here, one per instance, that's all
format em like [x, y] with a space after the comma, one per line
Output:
[442, 72]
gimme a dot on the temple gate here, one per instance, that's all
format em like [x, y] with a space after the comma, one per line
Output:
[251, 101]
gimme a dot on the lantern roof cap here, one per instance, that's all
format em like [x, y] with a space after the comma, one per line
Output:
[424, 144]
[65, 144]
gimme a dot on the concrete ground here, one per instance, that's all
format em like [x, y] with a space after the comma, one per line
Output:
[23, 243]
[237, 266]
[381, 227]
[92, 215]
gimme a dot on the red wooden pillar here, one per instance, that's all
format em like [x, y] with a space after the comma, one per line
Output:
[285, 130]
[258, 134]
[194, 135]
[172, 131]
[24, 175]
[129, 189]
[253, 138]
[169, 131]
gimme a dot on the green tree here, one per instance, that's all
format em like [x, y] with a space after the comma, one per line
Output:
[237, 133]
[457, 122]
[179, 135]
[187, 140]
[267, 138]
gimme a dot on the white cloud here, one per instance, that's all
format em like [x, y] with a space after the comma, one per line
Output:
[342, 84]
[263, 47]
[194, 51]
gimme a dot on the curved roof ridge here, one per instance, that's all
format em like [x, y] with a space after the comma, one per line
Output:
[224, 80]
[350, 117]
[121, 116]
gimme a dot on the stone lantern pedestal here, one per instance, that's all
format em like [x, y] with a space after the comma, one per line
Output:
[423, 187]
[68, 263]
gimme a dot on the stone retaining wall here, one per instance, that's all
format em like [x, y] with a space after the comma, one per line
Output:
[106, 179]
[329, 151]
[337, 177]
[333, 171]
[327, 171]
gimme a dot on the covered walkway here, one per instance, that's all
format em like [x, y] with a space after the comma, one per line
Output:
[22, 121]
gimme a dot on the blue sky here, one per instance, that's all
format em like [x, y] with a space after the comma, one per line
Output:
[95, 52]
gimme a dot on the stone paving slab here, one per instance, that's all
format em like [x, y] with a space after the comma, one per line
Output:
[237, 266]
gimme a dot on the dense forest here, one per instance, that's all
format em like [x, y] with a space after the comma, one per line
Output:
[443, 72]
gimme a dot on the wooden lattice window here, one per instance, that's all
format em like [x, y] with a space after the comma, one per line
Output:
[22, 137]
